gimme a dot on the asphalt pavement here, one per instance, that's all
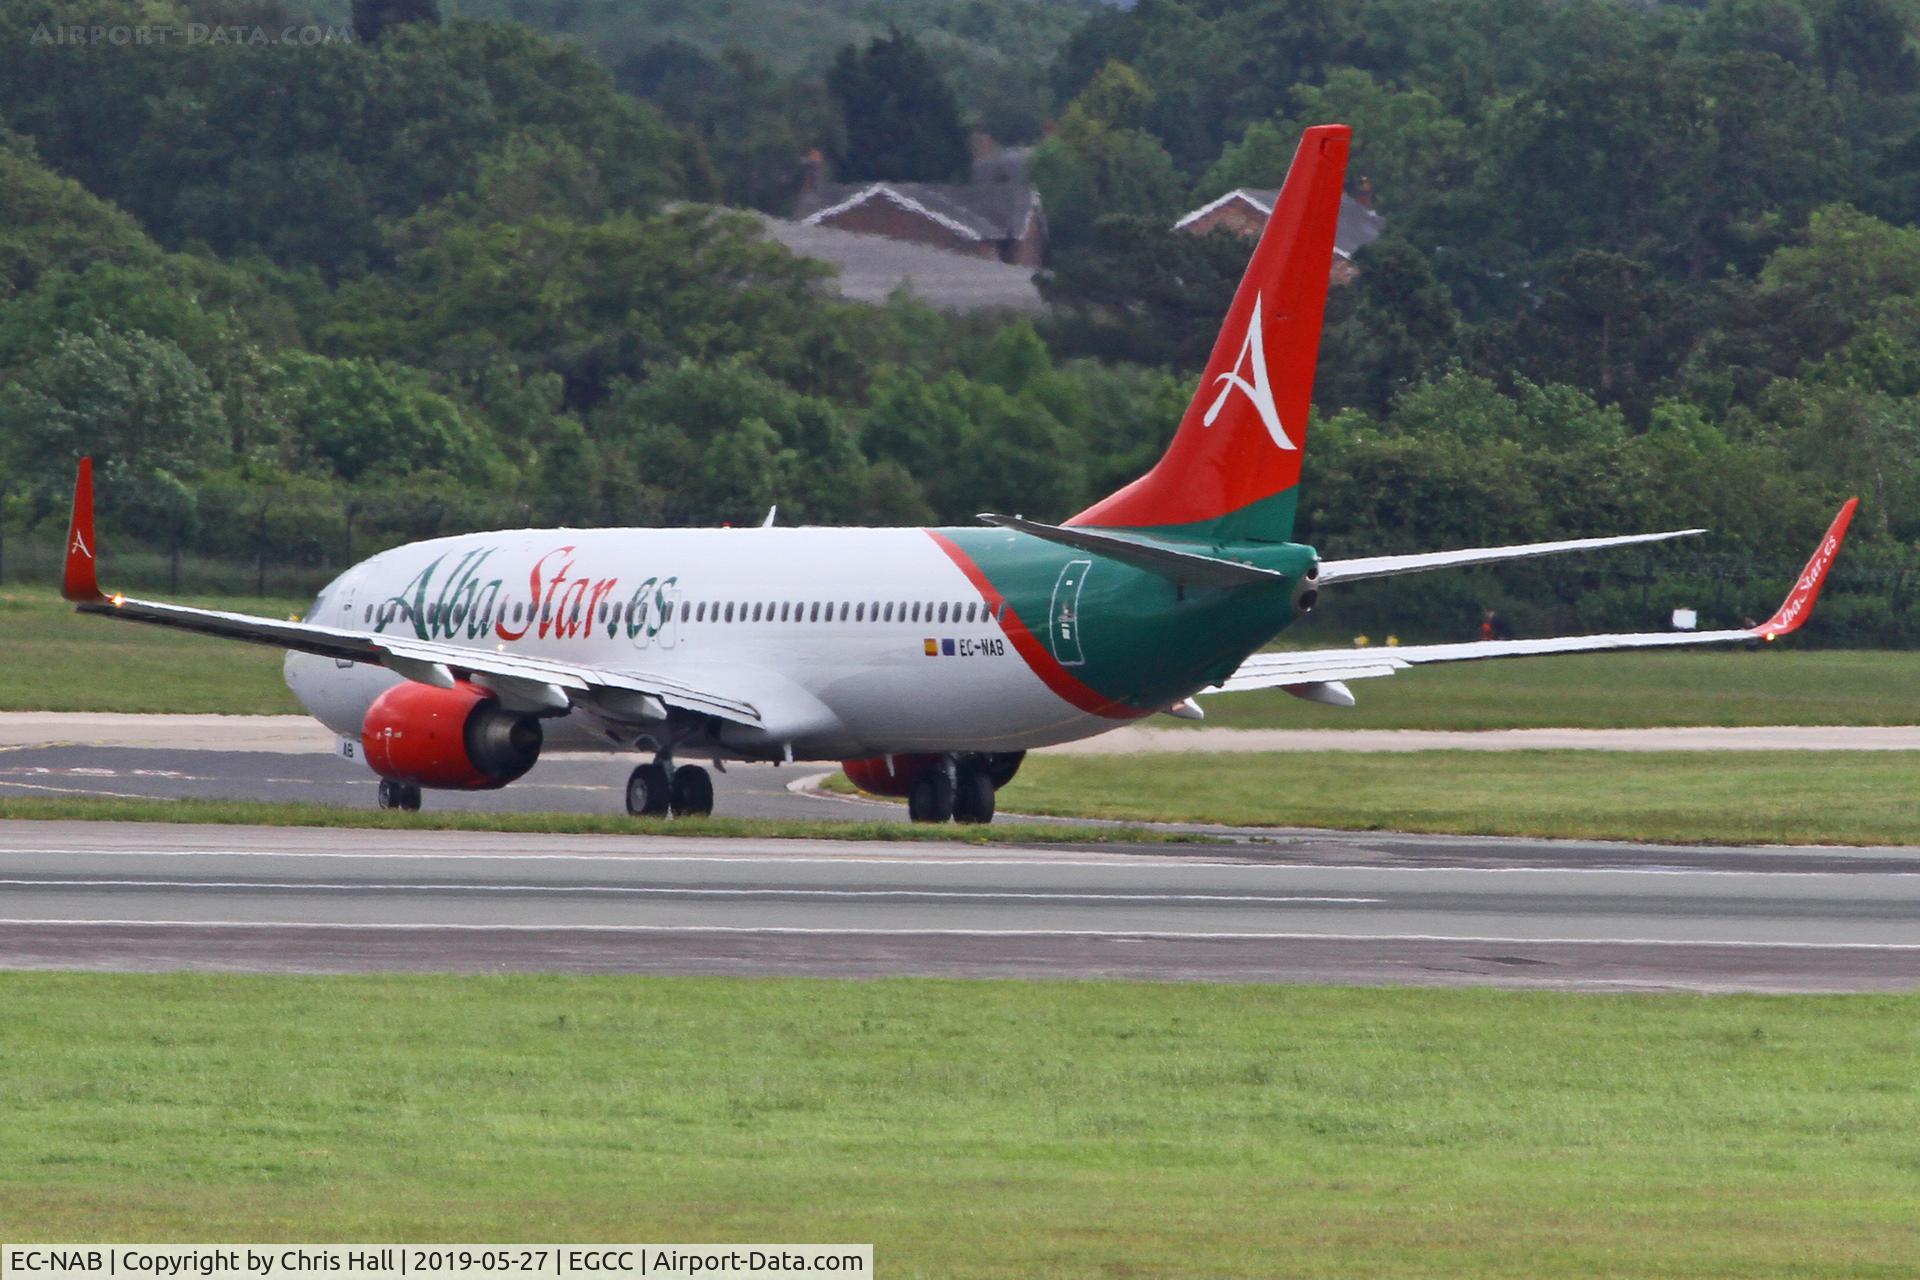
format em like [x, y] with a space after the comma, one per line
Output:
[148, 897]
[1268, 905]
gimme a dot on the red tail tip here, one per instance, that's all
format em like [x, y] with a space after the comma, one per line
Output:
[1798, 606]
[80, 581]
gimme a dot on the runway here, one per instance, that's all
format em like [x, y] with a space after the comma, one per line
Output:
[1305, 907]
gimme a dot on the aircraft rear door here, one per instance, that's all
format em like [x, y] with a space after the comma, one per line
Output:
[1063, 615]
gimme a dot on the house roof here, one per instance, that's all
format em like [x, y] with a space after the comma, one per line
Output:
[872, 267]
[1359, 225]
[1000, 202]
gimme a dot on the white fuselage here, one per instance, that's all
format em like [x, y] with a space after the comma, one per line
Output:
[826, 632]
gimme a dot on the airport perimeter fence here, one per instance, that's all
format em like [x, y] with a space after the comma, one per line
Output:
[1869, 601]
[36, 561]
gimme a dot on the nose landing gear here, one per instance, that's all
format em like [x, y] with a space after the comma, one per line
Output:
[399, 795]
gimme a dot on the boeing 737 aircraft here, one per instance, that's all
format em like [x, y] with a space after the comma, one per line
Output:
[927, 660]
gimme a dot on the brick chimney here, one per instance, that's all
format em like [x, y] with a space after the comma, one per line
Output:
[813, 176]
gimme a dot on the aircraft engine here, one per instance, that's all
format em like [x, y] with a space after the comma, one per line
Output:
[460, 739]
[888, 775]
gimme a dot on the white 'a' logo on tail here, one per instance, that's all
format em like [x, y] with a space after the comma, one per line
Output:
[1253, 357]
[80, 545]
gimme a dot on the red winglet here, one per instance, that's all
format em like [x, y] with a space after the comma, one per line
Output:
[1798, 606]
[80, 582]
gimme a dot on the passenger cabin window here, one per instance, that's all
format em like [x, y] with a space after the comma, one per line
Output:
[886, 614]
[859, 612]
[729, 611]
[943, 613]
[816, 612]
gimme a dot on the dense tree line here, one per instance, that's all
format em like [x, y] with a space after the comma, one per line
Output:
[1646, 267]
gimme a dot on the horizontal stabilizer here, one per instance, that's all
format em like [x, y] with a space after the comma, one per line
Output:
[1168, 562]
[1332, 571]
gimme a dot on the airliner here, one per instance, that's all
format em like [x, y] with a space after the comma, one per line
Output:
[927, 660]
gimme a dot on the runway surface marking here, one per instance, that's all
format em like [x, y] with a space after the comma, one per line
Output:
[805, 931]
[1244, 864]
[662, 891]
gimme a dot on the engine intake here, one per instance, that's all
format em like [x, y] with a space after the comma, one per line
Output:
[460, 739]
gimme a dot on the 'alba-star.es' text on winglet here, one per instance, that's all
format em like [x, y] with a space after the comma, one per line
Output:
[81, 582]
[1798, 606]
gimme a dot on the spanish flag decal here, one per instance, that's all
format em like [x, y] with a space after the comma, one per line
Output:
[933, 648]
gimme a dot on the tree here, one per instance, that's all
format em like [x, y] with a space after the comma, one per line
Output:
[1139, 290]
[901, 117]
[134, 402]
[361, 420]
[1097, 164]
[1605, 323]
[1866, 40]
[1385, 332]
[1404, 142]
[373, 18]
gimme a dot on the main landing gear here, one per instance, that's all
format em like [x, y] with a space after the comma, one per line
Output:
[399, 795]
[657, 789]
[961, 788]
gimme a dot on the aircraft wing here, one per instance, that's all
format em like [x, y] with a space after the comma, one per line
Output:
[1322, 667]
[535, 682]
[1332, 571]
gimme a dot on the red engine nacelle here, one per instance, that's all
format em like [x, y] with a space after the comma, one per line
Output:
[461, 738]
[888, 775]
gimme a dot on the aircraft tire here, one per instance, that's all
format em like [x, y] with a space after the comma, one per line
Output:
[391, 794]
[649, 791]
[931, 799]
[973, 797]
[410, 797]
[692, 792]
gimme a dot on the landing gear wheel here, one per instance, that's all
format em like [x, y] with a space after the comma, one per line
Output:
[931, 799]
[649, 791]
[399, 795]
[692, 792]
[973, 797]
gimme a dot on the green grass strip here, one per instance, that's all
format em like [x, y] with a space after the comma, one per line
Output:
[283, 814]
[1744, 797]
[976, 1129]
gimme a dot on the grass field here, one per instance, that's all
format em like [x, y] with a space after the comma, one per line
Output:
[56, 660]
[1787, 797]
[976, 1129]
[1777, 685]
[53, 659]
[281, 814]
